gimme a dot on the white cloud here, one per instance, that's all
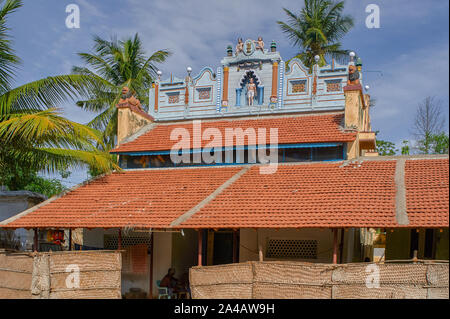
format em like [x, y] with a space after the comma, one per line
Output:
[198, 31]
[92, 10]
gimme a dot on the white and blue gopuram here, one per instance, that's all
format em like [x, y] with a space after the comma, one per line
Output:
[223, 92]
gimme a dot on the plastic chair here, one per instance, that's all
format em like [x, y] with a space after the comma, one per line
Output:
[162, 291]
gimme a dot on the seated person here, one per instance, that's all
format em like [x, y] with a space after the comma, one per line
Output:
[170, 281]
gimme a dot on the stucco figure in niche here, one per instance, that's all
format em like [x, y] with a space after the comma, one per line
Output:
[251, 92]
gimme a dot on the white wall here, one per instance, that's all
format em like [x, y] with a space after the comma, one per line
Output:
[184, 251]
[10, 206]
[248, 250]
[162, 256]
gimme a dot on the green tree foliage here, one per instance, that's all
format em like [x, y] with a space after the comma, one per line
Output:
[386, 148]
[20, 178]
[439, 143]
[317, 30]
[116, 64]
[405, 147]
[33, 133]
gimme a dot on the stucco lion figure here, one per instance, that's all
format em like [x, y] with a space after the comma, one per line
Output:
[353, 75]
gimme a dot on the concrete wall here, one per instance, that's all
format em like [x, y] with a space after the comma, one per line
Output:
[162, 256]
[184, 251]
[12, 205]
[128, 123]
[249, 239]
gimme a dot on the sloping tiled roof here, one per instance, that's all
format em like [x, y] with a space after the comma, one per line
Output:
[427, 189]
[291, 129]
[323, 195]
[315, 195]
[145, 198]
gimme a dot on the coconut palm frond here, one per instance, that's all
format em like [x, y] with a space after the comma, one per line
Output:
[317, 30]
[119, 64]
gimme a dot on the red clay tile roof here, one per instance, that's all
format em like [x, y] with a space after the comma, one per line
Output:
[361, 194]
[315, 195]
[144, 198]
[293, 129]
[427, 196]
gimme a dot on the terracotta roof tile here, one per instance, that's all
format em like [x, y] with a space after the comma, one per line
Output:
[297, 195]
[295, 129]
[427, 187]
[147, 198]
[314, 195]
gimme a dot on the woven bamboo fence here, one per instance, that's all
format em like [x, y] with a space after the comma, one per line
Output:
[297, 280]
[15, 275]
[51, 275]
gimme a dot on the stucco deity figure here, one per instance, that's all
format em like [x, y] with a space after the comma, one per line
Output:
[353, 75]
[240, 46]
[251, 92]
[260, 44]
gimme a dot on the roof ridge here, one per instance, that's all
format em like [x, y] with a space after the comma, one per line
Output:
[209, 198]
[401, 214]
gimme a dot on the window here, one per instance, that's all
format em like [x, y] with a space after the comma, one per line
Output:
[204, 93]
[297, 155]
[292, 248]
[173, 97]
[328, 153]
[111, 241]
[298, 86]
[333, 85]
[240, 156]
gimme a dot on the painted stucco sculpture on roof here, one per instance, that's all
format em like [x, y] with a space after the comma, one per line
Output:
[218, 92]
[353, 75]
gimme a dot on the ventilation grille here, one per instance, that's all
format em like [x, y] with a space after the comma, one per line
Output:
[292, 248]
[111, 241]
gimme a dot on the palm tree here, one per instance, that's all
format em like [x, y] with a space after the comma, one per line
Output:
[317, 30]
[33, 133]
[117, 64]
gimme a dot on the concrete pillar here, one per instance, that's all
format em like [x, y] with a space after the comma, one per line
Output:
[353, 106]
[186, 95]
[225, 85]
[335, 245]
[156, 96]
[350, 244]
[273, 94]
[200, 247]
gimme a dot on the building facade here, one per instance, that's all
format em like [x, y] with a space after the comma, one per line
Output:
[257, 159]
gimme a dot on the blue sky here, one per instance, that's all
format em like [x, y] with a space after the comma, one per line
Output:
[411, 47]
